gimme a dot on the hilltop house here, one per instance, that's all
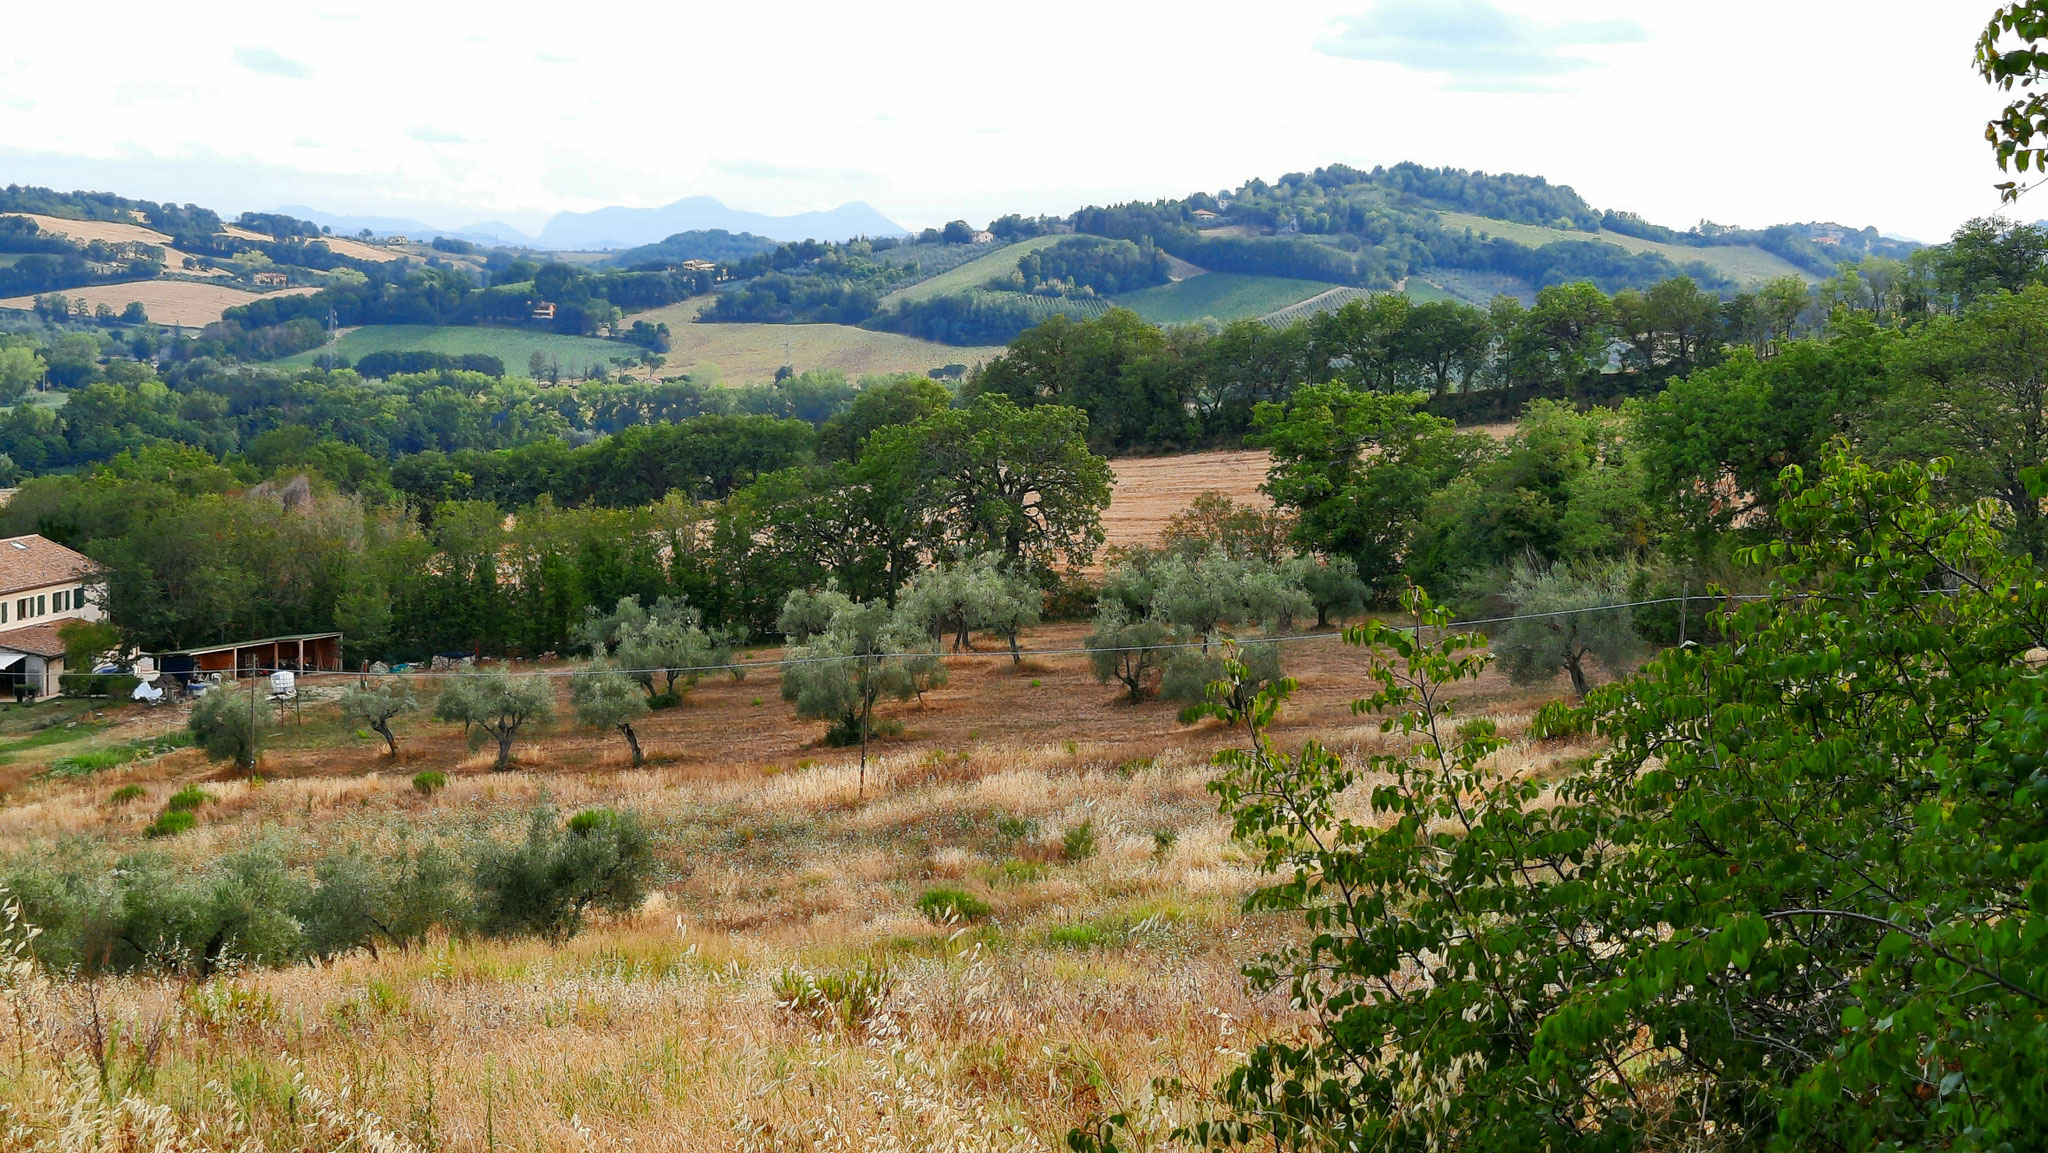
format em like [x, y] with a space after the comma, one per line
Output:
[42, 585]
[272, 280]
[982, 237]
[1204, 216]
[545, 310]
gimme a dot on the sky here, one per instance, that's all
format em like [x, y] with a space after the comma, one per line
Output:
[1746, 112]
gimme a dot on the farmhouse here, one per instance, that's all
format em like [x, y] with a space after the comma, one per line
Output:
[272, 280]
[698, 266]
[545, 310]
[982, 237]
[42, 585]
[1204, 216]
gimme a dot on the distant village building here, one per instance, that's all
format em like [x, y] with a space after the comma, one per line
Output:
[982, 237]
[272, 280]
[1204, 216]
[396, 238]
[42, 585]
[545, 310]
[698, 266]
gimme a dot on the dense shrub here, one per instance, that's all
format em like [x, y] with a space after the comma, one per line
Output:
[546, 884]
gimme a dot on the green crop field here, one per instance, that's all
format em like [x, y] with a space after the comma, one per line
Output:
[1221, 295]
[974, 273]
[1423, 292]
[511, 345]
[1743, 264]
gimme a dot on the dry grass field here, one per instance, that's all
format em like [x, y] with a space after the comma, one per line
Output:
[1149, 489]
[1089, 978]
[187, 302]
[118, 232]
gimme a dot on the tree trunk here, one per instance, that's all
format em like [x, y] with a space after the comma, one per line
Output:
[384, 730]
[1016, 654]
[1575, 664]
[632, 742]
[504, 752]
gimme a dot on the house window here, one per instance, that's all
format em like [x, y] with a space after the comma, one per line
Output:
[42, 605]
[61, 600]
[78, 597]
[21, 608]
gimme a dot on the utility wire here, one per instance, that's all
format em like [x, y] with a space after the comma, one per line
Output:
[1290, 638]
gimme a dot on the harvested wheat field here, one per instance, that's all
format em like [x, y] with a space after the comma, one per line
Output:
[87, 231]
[185, 302]
[1149, 490]
[1105, 952]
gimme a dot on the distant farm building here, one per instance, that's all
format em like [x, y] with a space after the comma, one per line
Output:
[698, 266]
[301, 652]
[982, 237]
[272, 280]
[395, 238]
[1204, 216]
[42, 585]
[545, 310]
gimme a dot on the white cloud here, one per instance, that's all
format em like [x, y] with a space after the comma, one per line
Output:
[1472, 43]
[271, 62]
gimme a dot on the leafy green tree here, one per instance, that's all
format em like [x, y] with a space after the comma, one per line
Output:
[1974, 389]
[1242, 531]
[608, 699]
[547, 884]
[496, 704]
[1558, 628]
[20, 370]
[994, 477]
[230, 725]
[1358, 468]
[2008, 65]
[376, 706]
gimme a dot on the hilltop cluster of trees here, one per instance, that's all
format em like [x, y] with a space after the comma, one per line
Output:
[1086, 265]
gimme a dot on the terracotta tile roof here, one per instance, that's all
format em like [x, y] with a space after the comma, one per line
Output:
[30, 562]
[38, 639]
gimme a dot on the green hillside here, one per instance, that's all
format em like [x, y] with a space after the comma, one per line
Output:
[511, 345]
[1743, 264]
[974, 273]
[1221, 295]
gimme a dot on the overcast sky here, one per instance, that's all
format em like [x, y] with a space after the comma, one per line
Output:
[1749, 112]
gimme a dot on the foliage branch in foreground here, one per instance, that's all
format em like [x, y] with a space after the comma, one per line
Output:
[1799, 903]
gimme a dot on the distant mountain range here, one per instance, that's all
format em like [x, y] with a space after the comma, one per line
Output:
[628, 227]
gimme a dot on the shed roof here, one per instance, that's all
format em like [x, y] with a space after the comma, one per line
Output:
[203, 649]
[41, 640]
[32, 562]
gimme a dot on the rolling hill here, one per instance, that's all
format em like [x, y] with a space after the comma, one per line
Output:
[1744, 264]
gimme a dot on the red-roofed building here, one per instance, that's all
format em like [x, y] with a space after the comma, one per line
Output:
[42, 585]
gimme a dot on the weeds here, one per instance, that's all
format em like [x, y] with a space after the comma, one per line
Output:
[942, 904]
[847, 999]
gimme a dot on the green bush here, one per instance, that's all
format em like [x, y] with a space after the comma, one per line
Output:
[1016, 828]
[170, 824]
[125, 794]
[359, 902]
[547, 884]
[1079, 843]
[1162, 841]
[943, 904]
[229, 726]
[428, 783]
[188, 799]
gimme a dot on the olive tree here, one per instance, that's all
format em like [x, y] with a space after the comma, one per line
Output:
[230, 726]
[959, 597]
[376, 706]
[662, 647]
[606, 698]
[496, 704]
[865, 653]
[1563, 617]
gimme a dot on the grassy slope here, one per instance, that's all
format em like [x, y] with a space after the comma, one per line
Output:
[974, 273]
[745, 353]
[1222, 295]
[511, 345]
[1744, 265]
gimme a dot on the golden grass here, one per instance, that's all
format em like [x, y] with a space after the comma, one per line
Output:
[661, 1031]
[750, 353]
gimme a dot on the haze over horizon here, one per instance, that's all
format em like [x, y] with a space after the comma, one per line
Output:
[1657, 108]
